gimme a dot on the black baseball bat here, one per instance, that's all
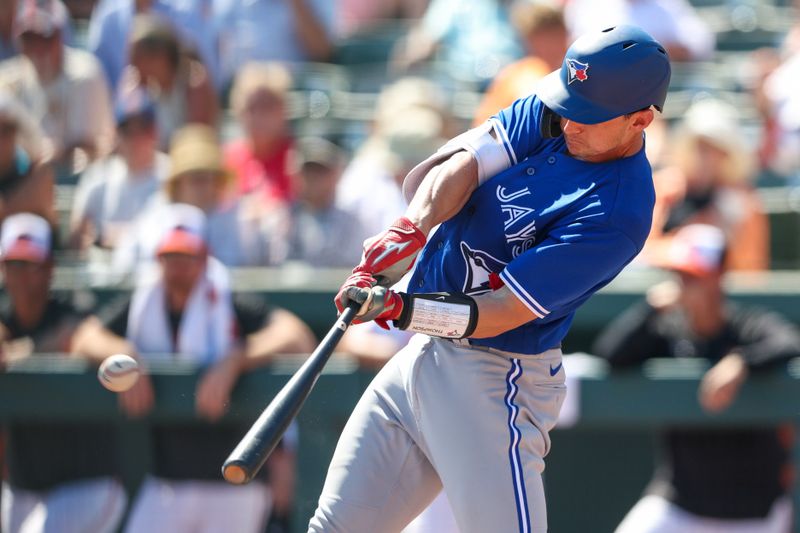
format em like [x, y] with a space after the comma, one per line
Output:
[251, 453]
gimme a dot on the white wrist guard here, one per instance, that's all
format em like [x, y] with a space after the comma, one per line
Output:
[442, 314]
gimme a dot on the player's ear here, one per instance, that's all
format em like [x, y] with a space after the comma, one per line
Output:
[642, 119]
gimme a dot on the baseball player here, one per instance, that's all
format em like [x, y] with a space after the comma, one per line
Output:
[538, 208]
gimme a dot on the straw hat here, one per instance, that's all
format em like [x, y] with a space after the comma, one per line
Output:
[195, 148]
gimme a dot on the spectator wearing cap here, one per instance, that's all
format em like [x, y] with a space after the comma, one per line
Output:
[261, 158]
[198, 176]
[177, 81]
[709, 181]
[187, 312]
[708, 480]
[43, 492]
[26, 176]
[62, 87]
[320, 233]
[112, 20]
[114, 191]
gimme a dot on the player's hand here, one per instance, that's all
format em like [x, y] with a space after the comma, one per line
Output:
[139, 399]
[214, 388]
[356, 280]
[389, 255]
[721, 383]
[380, 304]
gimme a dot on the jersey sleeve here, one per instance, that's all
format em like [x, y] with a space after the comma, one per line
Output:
[518, 127]
[567, 267]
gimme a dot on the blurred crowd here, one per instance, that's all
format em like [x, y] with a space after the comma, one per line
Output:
[114, 108]
[168, 141]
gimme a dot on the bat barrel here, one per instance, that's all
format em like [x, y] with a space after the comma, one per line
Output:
[249, 456]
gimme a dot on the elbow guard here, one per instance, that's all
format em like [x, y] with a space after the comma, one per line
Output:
[439, 314]
[483, 143]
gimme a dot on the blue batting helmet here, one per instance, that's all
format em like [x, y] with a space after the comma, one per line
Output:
[606, 74]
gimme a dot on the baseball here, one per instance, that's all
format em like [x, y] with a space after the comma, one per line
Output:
[118, 372]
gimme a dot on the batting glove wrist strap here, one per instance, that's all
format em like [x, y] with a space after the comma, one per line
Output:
[389, 255]
[440, 314]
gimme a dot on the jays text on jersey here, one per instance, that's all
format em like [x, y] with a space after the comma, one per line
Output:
[554, 228]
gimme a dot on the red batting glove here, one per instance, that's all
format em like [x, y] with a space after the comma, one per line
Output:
[389, 255]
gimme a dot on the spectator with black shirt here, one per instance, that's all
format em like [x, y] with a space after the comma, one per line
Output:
[187, 312]
[708, 480]
[45, 491]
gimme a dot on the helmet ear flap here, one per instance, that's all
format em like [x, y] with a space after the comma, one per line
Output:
[550, 125]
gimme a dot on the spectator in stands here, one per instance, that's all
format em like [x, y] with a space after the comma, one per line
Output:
[187, 310]
[8, 45]
[62, 87]
[320, 233]
[114, 191]
[709, 182]
[179, 83]
[110, 28]
[26, 177]
[544, 36]
[360, 16]
[61, 475]
[292, 31]
[674, 23]
[237, 235]
[779, 105]
[261, 158]
[371, 187]
[473, 38]
[708, 480]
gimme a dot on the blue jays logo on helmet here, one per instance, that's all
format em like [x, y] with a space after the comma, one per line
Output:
[479, 265]
[576, 70]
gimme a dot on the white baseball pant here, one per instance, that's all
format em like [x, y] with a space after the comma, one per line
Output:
[439, 414]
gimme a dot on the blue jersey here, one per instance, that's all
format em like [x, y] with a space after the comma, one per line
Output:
[554, 228]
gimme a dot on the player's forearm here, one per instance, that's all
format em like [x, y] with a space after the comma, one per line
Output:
[443, 191]
[500, 311]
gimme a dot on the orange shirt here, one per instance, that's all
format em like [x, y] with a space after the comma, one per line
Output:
[515, 81]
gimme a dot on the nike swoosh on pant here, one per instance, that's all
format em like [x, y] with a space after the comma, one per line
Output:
[554, 371]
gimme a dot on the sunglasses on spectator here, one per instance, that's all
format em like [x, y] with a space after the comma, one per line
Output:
[136, 125]
[18, 265]
[33, 38]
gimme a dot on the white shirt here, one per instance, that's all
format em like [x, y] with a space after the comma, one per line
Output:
[111, 198]
[74, 109]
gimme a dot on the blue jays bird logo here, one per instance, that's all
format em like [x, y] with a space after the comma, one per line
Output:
[577, 70]
[479, 266]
